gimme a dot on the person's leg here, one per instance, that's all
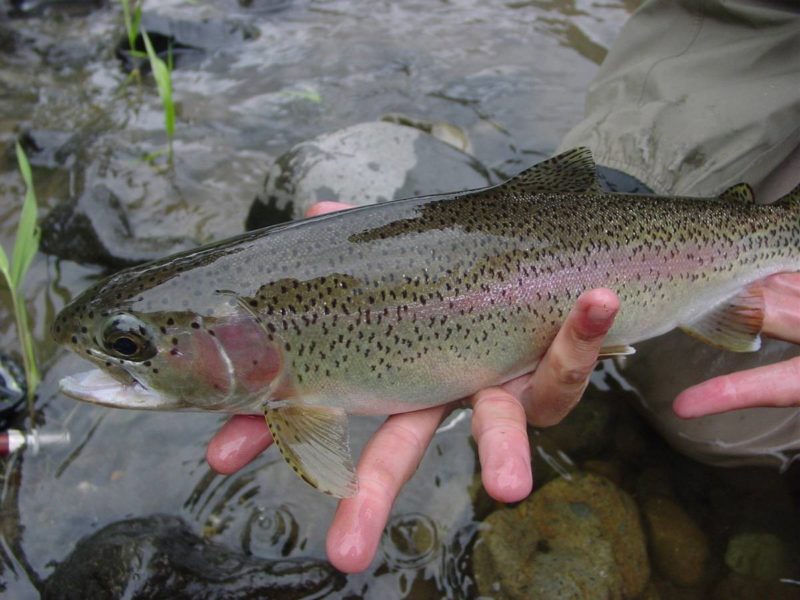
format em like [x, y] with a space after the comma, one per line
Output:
[695, 97]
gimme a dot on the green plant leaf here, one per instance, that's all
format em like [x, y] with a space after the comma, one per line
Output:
[27, 240]
[132, 22]
[310, 95]
[26, 244]
[137, 19]
[26, 341]
[4, 267]
[164, 84]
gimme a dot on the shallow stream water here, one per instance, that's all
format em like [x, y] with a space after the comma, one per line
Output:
[512, 75]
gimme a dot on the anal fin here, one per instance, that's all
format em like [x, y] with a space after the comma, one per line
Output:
[734, 324]
[741, 192]
[315, 442]
[609, 351]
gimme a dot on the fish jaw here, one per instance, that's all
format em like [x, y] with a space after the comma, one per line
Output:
[99, 387]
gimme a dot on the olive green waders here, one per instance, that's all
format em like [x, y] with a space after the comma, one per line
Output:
[694, 97]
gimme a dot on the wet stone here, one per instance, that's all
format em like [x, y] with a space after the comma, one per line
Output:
[364, 164]
[667, 590]
[586, 430]
[759, 554]
[35, 8]
[578, 538]
[95, 229]
[46, 148]
[741, 587]
[13, 388]
[159, 556]
[679, 548]
[188, 40]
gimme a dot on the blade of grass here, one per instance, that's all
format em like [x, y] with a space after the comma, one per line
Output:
[27, 241]
[4, 266]
[132, 22]
[26, 244]
[163, 77]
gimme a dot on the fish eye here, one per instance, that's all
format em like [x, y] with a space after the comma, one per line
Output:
[126, 337]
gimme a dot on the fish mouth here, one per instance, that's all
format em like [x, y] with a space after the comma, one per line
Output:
[99, 387]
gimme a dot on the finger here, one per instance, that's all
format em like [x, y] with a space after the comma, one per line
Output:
[562, 375]
[775, 385]
[238, 442]
[326, 206]
[782, 308]
[500, 429]
[785, 283]
[387, 462]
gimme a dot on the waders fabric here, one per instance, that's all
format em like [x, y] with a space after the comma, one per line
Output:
[694, 97]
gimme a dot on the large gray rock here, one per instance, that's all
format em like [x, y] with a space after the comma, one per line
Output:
[363, 164]
[94, 229]
[160, 557]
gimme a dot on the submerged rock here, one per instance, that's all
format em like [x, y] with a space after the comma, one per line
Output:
[160, 557]
[578, 538]
[740, 587]
[759, 554]
[95, 229]
[363, 164]
[679, 547]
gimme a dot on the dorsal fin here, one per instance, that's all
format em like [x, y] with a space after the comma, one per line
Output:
[573, 171]
[741, 192]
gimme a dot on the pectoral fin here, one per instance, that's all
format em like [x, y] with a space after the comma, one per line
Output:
[315, 443]
[734, 324]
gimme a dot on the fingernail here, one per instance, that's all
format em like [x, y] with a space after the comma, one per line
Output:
[599, 315]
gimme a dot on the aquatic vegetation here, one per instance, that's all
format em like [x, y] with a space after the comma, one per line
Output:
[162, 73]
[132, 22]
[26, 244]
[310, 95]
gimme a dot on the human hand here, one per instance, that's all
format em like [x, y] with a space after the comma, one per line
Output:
[775, 385]
[499, 425]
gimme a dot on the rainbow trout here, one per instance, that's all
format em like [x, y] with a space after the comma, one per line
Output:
[405, 305]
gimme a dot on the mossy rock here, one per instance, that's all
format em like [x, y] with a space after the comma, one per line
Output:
[680, 548]
[576, 538]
